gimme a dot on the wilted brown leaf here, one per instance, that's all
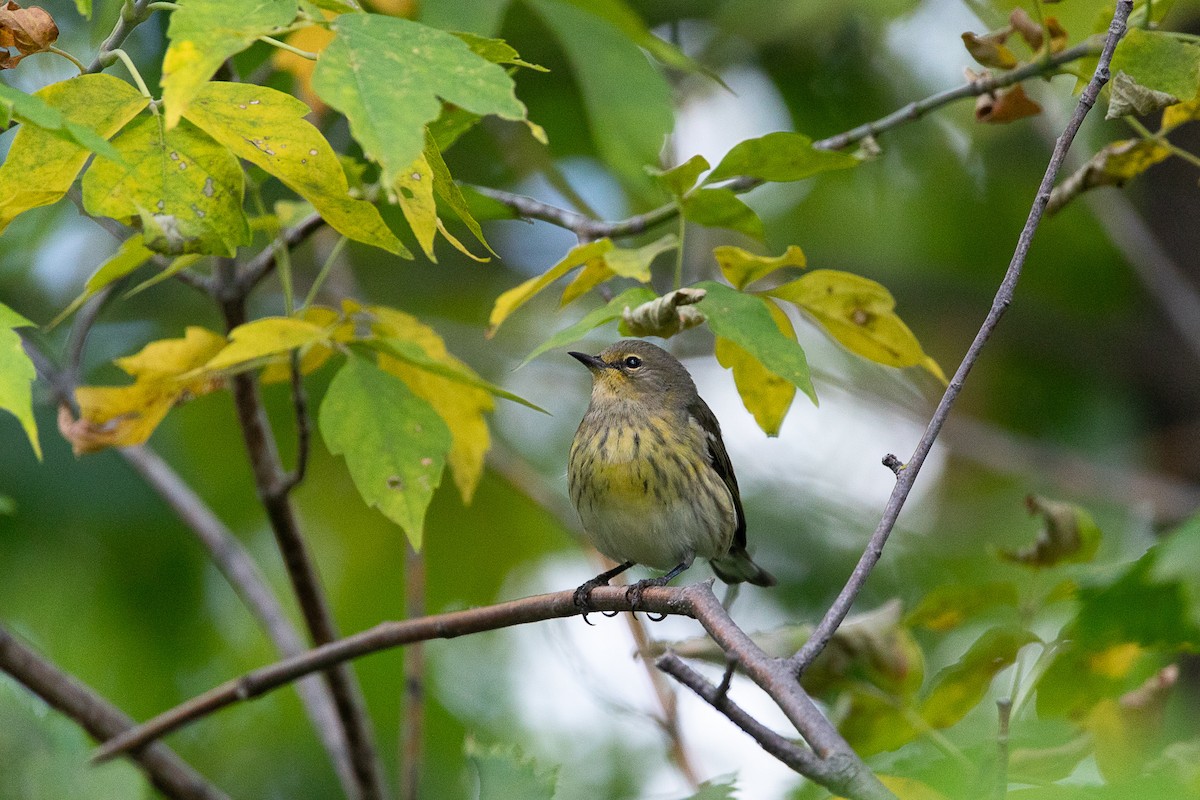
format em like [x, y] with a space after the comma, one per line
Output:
[1069, 534]
[26, 30]
[1006, 105]
[1025, 25]
[1058, 35]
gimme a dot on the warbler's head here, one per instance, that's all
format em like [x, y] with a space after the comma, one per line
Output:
[632, 369]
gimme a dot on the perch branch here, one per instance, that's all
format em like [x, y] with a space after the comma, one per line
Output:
[907, 475]
[170, 774]
[841, 770]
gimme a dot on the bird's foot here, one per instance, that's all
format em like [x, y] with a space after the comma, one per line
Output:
[583, 598]
[634, 595]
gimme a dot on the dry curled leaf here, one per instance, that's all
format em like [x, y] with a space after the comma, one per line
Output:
[666, 316]
[26, 30]
[1115, 164]
[1006, 105]
[990, 49]
[1069, 534]
[1025, 25]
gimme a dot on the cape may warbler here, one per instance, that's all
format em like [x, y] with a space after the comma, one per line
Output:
[649, 474]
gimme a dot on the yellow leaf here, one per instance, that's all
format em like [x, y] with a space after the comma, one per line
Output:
[40, 166]
[989, 50]
[1176, 115]
[516, 297]
[858, 312]
[340, 328]
[267, 128]
[765, 395]
[742, 268]
[461, 407]
[1128, 732]
[414, 193]
[264, 338]
[313, 40]
[1116, 661]
[120, 416]
[619, 262]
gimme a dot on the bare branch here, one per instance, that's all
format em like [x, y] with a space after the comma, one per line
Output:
[170, 774]
[841, 769]
[797, 758]
[303, 423]
[587, 228]
[306, 584]
[1004, 295]
[261, 265]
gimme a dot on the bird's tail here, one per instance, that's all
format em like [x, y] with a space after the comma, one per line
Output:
[736, 566]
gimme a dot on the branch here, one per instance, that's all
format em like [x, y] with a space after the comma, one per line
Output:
[795, 757]
[587, 228]
[170, 774]
[412, 723]
[133, 13]
[262, 264]
[250, 585]
[273, 493]
[841, 770]
[1004, 295]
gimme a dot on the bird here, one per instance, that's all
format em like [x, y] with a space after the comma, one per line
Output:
[649, 474]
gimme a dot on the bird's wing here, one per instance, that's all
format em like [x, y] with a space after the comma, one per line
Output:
[718, 458]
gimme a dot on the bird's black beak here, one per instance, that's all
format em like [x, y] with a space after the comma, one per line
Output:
[593, 363]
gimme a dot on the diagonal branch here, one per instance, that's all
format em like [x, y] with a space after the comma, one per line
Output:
[907, 474]
[170, 774]
[273, 492]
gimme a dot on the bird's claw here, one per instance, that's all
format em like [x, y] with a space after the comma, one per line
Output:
[582, 599]
[634, 596]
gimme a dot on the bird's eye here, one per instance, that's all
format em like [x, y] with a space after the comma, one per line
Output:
[632, 362]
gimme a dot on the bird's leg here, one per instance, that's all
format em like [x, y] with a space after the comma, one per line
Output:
[583, 595]
[634, 593]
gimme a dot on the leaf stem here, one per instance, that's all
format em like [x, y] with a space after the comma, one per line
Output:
[68, 57]
[289, 48]
[119, 54]
[324, 273]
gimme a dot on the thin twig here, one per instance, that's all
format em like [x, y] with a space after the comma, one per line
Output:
[839, 768]
[412, 723]
[261, 265]
[587, 228]
[273, 493]
[798, 758]
[303, 424]
[1000, 788]
[170, 774]
[1004, 295]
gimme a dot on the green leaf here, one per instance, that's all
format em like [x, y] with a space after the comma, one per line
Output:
[17, 374]
[742, 268]
[959, 688]
[203, 34]
[389, 77]
[411, 353]
[129, 256]
[626, 100]
[267, 128]
[1068, 535]
[184, 188]
[1126, 96]
[859, 313]
[717, 789]
[722, 208]
[505, 774]
[612, 310]
[948, 606]
[42, 164]
[496, 51]
[514, 298]
[1159, 61]
[680, 179]
[779, 156]
[84, 7]
[766, 395]
[449, 191]
[394, 443]
[745, 320]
